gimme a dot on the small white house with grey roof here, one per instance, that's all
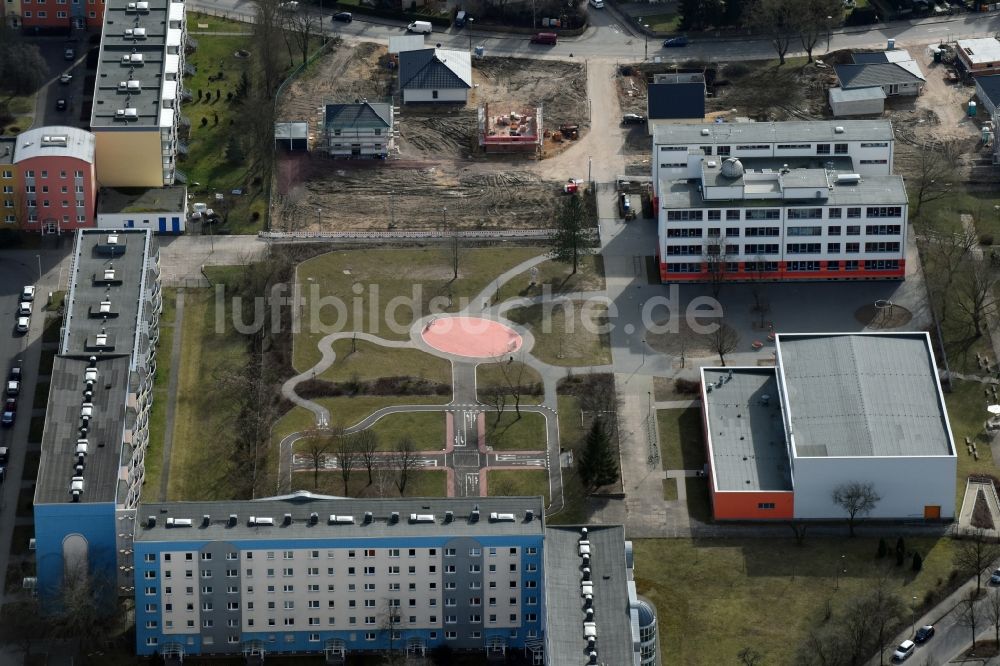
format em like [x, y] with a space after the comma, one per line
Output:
[435, 75]
[361, 129]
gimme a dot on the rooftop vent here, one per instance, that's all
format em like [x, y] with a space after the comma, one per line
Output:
[261, 521]
[287, 520]
[132, 59]
[590, 630]
[368, 517]
[313, 518]
[90, 375]
[502, 517]
[394, 517]
[129, 86]
[137, 7]
[87, 410]
[127, 114]
[135, 33]
[583, 533]
[151, 521]
[848, 178]
[474, 516]
[81, 447]
[179, 522]
[421, 517]
[839, 129]
[55, 140]
[587, 589]
[584, 548]
[232, 520]
[529, 515]
[341, 520]
[449, 516]
[705, 131]
[109, 274]
[206, 520]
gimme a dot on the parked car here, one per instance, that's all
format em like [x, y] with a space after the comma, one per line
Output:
[924, 634]
[995, 578]
[22, 324]
[69, 54]
[65, 77]
[13, 386]
[290, 6]
[9, 412]
[547, 38]
[15, 370]
[420, 27]
[633, 119]
[904, 651]
[675, 42]
[28, 292]
[597, 4]
[60, 104]
[4, 455]
[24, 309]
[343, 17]
[461, 18]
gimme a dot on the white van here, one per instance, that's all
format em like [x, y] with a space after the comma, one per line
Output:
[597, 4]
[420, 27]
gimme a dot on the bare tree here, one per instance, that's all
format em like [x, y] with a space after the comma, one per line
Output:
[87, 608]
[758, 271]
[993, 612]
[496, 397]
[389, 621]
[723, 340]
[23, 623]
[973, 292]
[301, 27]
[883, 609]
[716, 259]
[775, 19]
[383, 481]
[935, 170]
[366, 445]
[799, 530]
[944, 256]
[404, 460]
[514, 371]
[970, 615]
[976, 553]
[347, 458]
[812, 19]
[856, 499]
[317, 444]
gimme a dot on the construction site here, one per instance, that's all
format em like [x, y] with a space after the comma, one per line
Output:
[441, 174]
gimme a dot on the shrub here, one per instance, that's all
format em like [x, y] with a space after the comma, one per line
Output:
[735, 70]
[986, 239]
[981, 515]
[918, 563]
[254, 216]
[861, 16]
[687, 386]
[883, 549]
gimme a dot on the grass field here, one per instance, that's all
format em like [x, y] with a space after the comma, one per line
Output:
[419, 483]
[428, 286]
[158, 413]
[517, 483]
[711, 595]
[682, 443]
[369, 361]
[567, 335]
[512, 433]
[22, 110]
[570, 438]
[197, 471]
[661, 23]
[559, 278]
[967, 413]
[427, 429]
[944, 214]
[501, 375]
[347, 411]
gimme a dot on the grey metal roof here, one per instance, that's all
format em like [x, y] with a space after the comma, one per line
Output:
[142, 199]
[863, 394]
[301, 505]
[435, 68]
[746, 433]
[114, 367]
[564, 609]
[877, 74]
[869, 58]
[55, 140]
[291, 130]
[675, 100]
[990, 87]
[838, 95]
[870, 190]
[776, 132]
[362, 115]
[150, 73]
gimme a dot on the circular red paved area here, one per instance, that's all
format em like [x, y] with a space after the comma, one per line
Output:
[473, 337]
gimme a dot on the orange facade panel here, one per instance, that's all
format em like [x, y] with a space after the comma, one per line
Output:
[753, 505]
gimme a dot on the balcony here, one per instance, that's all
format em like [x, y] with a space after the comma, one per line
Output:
[191, 43]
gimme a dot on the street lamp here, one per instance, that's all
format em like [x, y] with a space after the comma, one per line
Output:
[643, 351]
[645, 36]
[828, 32]
[469, 22]
[840, 569]
[913, 623]
[39, 258]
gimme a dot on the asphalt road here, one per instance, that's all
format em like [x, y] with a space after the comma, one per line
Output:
[609, 38]
[53, 49]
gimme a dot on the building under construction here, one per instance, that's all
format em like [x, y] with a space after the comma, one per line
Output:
[516, 131]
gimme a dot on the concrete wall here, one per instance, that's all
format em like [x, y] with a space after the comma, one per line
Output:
[128, 158]
[159, 222]
[866, 107]
[905, 484]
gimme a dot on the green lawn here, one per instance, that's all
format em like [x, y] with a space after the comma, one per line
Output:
[369, 361]
[944, 214]
[967, 413]
[195, 21]
[420, 483]
[22, 108]
[670, 489]
[571, 434]
[427, 429]
[197, 471]
[517, 483]
[206, 161]
[571, 334]
[502, 375]
[718, 596]
[682, 444]
[347, 411]
[559, 278]
[512, 433]
[663, 22]
[158, 413]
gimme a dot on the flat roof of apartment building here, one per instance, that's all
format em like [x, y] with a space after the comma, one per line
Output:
[791, 132]
[304, 515]
[136, 59]
[55, 141]
[123, 200]
[103, 309]
[863, 394]
[564, 608]
[746, 433]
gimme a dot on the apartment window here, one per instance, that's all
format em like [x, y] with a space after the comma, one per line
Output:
[394, 552]
[756, 146]
[369, 587]
[8, 174]
[732, 232]
[881, 247]
[684, 250]
[206, 557]
[288, 555]
[762, 214]
[289, 604]
[833, 248]
[803, 248]
[714, 215]
[450, 568]
[803, 266]
[876, 144]
[412, 552]
[822, 149]
[513, 567]
[150, 574]
[882, 229]
[532, 601]
[763, 231]
[833, 265]
[206, 573]
[28, 174]
[722, 151]
[151, 640]
[882, 265]
[369, 619]
[884, 211]
[150, 591]
[706, 150]
[805, 214]
[206, 589]
[475, 568]
[206, 606]
[853, 213]
[685, 215]
[351, 554]
[289, 621]
[288, 588]
[233, 605]
[840, 149]
[852, 248]
[45, 174]
[449, 552]
[208, 624]
[513, 617]
[78, 174]
[30, 189]
[369, 603]
[313, 638]
[765, 505]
